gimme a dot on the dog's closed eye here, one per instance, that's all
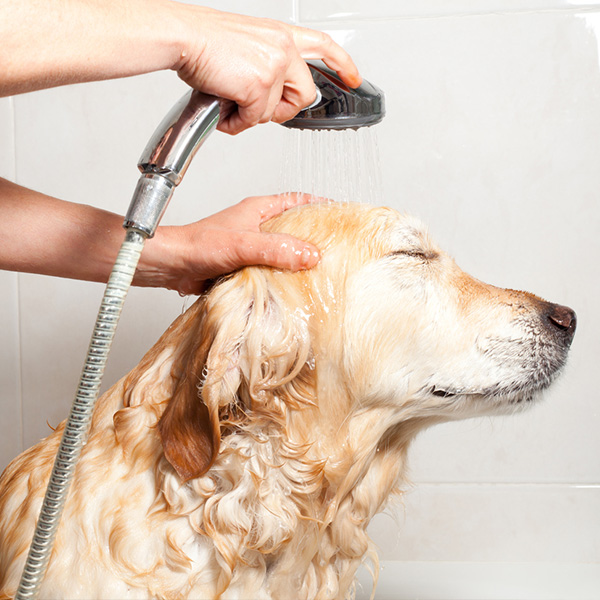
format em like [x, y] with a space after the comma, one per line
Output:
[441, 393]
[423, 255]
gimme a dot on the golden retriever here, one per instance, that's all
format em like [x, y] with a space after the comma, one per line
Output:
[247, 452]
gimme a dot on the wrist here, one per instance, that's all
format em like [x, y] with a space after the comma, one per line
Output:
[188, 27]
[160, 34]
[161, 263]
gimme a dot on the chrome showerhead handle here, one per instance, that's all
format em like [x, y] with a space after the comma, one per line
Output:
[176, 140]
[167, 156]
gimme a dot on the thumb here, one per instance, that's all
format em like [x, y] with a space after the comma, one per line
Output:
[278, 250]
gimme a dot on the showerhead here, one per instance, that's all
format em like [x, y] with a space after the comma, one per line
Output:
[339, 106]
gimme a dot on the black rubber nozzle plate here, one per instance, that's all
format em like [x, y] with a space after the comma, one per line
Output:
[341, 107]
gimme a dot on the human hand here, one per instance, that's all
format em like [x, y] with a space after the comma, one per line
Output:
[257, 63]
[182, 258]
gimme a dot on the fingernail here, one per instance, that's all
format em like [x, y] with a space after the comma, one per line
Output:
[309, 258]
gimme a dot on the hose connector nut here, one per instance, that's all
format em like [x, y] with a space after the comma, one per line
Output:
[150, 199]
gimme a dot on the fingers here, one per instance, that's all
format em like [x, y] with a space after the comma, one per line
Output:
[270, 80]
[277, 250]
[313, 44]
[184, 257]
[255, 110]
[272, 249]
[278, 100]
[298, 92]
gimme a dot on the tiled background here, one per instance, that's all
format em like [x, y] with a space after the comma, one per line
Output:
[492, 138]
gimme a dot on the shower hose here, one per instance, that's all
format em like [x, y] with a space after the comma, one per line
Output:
[80, 417]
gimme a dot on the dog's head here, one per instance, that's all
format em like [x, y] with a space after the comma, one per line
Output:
[385, 330]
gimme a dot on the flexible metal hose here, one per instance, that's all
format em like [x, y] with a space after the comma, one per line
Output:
[78, 423]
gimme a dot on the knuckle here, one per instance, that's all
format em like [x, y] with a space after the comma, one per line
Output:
[248, 202]
[325, 39]
[266, 76]
[307, 95]
[283, 45]
[279, 60]
[285, 37]
[283, 253]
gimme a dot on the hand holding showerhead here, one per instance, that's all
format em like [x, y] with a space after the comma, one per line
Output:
[260, 65]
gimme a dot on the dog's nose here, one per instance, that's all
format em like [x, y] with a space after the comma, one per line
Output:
[563, 320]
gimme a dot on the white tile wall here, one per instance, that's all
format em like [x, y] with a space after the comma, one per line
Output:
[283, 10]
[492, 138]
[7, 138]
[11, 431]
[504, 522]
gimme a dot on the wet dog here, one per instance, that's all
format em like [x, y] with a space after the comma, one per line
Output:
[247, 452]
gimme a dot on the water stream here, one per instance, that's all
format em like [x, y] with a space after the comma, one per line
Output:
[341, 165]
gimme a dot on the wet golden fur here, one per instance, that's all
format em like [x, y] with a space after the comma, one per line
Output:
[247, 452]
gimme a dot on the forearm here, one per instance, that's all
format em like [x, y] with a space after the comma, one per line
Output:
[44, 235]
[68, 41]
[259, 64]
[41, 234]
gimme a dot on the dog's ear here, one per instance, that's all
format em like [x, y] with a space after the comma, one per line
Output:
[188, 432]
[189, 436]
[249, 344]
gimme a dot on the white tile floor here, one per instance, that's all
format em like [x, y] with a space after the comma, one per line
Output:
[482, 581]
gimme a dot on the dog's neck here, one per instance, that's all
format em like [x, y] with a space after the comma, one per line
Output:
[281, 501]
[306, 508]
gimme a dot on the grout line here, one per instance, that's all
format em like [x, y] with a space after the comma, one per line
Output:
[357, 17]
[415, 485]
[20, 371]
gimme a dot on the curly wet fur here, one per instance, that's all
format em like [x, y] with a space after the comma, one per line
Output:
[247, 452]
